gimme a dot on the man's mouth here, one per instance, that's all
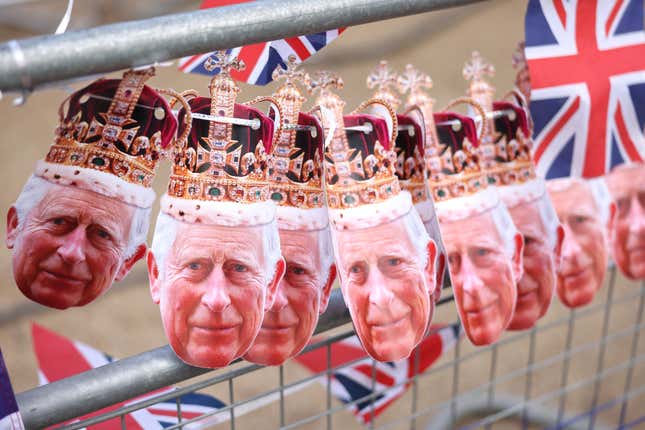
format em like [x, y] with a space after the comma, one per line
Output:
[63, 278]
[480, 310]
[577, 276]
[391, 323]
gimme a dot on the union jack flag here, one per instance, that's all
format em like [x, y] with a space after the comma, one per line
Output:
[261, 58]
[586, 60]
[9, 415]
[59, 357]
[352, 384]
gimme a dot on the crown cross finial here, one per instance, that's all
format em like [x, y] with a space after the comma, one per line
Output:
[476, 68]
[221, 60]
[324, 81]
[290, 74]
[413, 80]
[519, 59]
[381, 77]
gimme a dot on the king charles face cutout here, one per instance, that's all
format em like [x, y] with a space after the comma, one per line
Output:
[537, 221]
[585, 248]
[484, 265]
[303, 294]
[213, 284]
[81, 220]
[627, 234]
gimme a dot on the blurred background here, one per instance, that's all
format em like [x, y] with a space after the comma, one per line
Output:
[124, 321]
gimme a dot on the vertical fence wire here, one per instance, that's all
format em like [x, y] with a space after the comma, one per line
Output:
[455, 384]
[231, 398]
[565, 365]
[281, 382]
[178, 402]
[529, 379]
[415, 388]
[328, 389]
[601, 350]
[491, 377]
[632, 355]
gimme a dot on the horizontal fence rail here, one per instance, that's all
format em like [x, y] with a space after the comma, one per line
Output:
[29, 63]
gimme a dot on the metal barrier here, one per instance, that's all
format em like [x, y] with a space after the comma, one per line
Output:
[510, 389]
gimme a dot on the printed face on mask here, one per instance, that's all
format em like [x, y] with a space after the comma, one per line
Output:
[483, 275]
[387, 288]
[213, 291]
[584, 249]
[536, 286]
[70, 247]
[303, 294]
[627, 187]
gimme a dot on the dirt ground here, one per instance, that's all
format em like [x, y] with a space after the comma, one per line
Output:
[125, 322]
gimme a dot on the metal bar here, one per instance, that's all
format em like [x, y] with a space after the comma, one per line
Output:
[329, 417]
[415, 386]
[231, 397]
[529, 379]
[491, 376]
[455, 383]
[107, 48]
[601, 352]
[281, 373]
[634, 348]
[565, 366]
[371, 423]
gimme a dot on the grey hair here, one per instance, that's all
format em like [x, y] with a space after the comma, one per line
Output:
[325, 251]
[505, 228]
[35, 190]
[166, 232]
[601, 197]
[549, 218]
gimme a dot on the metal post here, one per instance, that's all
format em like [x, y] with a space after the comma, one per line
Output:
[32, 62]
[565, 366]
[529, 379]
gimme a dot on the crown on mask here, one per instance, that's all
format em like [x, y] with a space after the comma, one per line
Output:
[111, 137]
[454, 164]
[359, 165]
[295, 164]
[220, 161]
[522, 79]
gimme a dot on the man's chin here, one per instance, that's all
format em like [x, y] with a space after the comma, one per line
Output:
[207, 356]
[578, 297]
[53, 297]
[390, 351]
[484, 333]
[268, 355]
[635, 270]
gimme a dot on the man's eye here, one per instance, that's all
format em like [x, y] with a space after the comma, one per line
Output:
[297, 270]
[103, 234]
[579, 219]
[394, 261]
[237, 267]
[58, 221]
[482, 252]
[194, 265]
[357, 268]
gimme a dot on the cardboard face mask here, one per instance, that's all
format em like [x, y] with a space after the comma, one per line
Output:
[535, 218]
[81, 221]
[484, 249]
[627, 187]
[295, 185]
[384, 256]
[583, 209]
[215, 262]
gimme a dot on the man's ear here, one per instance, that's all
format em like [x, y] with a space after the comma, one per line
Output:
[127, 264]
[326, 292]
[558, 246]
[272, 288]
[12, 227]
[441, 273]
[431, 276]
[518, 257]
[153, 277]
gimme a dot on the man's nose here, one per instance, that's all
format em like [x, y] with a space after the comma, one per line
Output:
[72, 250]
[216, 298]
[280, 300]
[470, 279]
[379, 294]
[636, 219]
[571, 249]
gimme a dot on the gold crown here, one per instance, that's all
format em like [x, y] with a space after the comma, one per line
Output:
[113, 141]
[352, 178]
[211, 165]
[415, 82]
[456, 171]
[295, 173]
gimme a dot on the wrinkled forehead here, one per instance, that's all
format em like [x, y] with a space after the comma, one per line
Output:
[77, 202]
[526, 217]
[297, 240]
[572, 197]
[245, 240]
[478, 228]
[371, 240]
[626, 179]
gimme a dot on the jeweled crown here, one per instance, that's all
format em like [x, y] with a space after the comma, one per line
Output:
[522, 79]
[295, 163]
[359, 166]
[221, 161]
[419, 108]
[454, 167]
[115, 126]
